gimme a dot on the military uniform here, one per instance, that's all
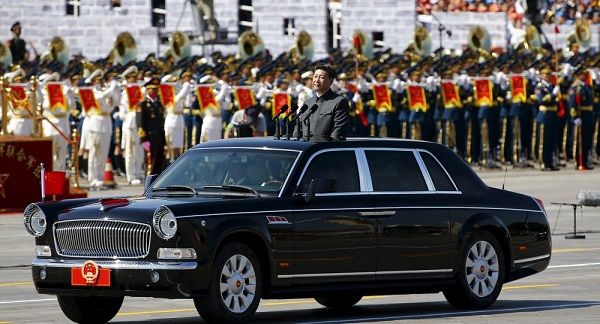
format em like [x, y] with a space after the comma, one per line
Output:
[581, 103]
[150, 121]
[548, 121]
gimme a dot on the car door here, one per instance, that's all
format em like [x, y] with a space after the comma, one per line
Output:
[414, 227]
[334, 242]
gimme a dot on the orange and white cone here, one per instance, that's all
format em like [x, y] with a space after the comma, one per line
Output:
[109, 179]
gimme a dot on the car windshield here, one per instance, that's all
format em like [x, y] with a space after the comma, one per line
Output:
[228, 170]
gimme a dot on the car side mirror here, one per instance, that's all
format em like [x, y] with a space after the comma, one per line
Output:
[149, 180]
[319, 185]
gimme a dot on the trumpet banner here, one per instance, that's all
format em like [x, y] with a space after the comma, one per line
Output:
[450, 95]
[206, 97]
[134, 95]
[518, 88]
[167, 95]
[56, 96]
[279, 100]
[244, 97]
[88, 100]
[19, 95]
[416, 98]
[483, 92]
[383, 100]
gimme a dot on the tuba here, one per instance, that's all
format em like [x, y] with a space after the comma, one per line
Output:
[419, 46]
[249, 44]
[124, 50]
[57, 50]
[362, 44]
[304, 48]
[582, 33]
[180, 46]
[5, 56]
[479, 42]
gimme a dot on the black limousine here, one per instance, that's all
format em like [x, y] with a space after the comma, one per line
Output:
[234, 221]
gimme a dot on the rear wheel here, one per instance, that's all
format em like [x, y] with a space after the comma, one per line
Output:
[481, 274]
[235, 286]
[90, 309]
[338, 301]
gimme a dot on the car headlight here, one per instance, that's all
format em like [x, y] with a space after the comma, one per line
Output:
[164, 223]
[35, 220]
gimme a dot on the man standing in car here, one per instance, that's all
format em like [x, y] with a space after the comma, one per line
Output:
[327, 111]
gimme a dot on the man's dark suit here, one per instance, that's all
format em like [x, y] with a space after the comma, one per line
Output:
[329, 121]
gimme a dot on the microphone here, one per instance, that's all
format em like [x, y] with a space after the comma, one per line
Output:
[300, 112]
[588, 198]
[283, 109]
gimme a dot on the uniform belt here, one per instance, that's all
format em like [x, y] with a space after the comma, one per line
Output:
[101, 114]
[586, 108]
[548, 108]
[59, 115]
[21, 117]
[187, 110]
[176, 113]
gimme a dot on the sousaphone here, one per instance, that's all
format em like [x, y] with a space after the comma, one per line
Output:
[124, 50]
[180, 46]
[249, 44]
[57, 50]
[303, 48]
[5, 55]
[479, 42]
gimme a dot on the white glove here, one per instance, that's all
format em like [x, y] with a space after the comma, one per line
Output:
[577, 121]
[556, 91]
[356, 97]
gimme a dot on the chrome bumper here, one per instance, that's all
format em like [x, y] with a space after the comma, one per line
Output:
[117, 264]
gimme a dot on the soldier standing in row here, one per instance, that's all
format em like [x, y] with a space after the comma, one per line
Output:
[150, 122]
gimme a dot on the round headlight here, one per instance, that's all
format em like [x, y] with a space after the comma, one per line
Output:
[35, 220]
[164, 222]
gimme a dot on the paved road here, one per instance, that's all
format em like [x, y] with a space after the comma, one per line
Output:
[569, 291]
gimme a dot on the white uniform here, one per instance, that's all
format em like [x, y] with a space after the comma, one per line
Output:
[130, 142]
[174, 118]
[212, 123]
[99, 126]
[20, 121]
[59, 118]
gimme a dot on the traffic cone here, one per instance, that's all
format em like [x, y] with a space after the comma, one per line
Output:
[109, 179]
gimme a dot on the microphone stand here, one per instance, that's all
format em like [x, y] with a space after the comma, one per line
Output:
[287, 128]
[277, 128]
[441, 28]
[310, 112]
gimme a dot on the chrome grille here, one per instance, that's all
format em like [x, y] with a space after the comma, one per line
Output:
[102, 239]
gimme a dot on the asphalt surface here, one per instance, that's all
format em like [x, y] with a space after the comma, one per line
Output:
[568, 291]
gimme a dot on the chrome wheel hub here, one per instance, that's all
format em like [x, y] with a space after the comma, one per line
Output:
[238, 283]
[482, 268]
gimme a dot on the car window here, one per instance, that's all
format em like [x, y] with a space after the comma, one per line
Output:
[395, 171]
[441, 181]
[337, 165]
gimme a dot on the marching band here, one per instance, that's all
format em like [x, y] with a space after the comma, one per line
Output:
[525, 107]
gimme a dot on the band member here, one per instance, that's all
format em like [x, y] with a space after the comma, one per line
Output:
[99, 128]
[581, 103]
[57, 102]
[548, 120]
[19, 113]
[150, 121]
[130, 142]
[174, 125]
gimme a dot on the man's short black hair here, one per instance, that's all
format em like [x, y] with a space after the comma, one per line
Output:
[328, 69]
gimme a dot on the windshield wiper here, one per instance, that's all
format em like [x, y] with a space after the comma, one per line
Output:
[191, 190]
[234, 188]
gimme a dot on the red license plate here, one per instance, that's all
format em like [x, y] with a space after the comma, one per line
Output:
[101, 279]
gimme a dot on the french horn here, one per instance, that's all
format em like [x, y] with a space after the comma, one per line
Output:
[57, 50]
[124, 50]
[249, 44]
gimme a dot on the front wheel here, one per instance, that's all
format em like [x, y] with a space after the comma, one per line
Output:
[338, 301]
[235, 286]
[481, 274]
[90, 309]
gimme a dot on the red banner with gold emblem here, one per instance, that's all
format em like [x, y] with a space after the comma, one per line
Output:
[56, 96]
[280, 99]
[554, 77]
[19, 98]
[450, 94]
[134, 95]
[206, 97]
[383, 99]
[416, 98]
[244, 97]
[352, 87]
[483, 92]
[518, 88]
[88, 101]
[167, 95]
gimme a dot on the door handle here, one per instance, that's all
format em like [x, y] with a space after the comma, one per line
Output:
[369, 213]
[384, 213]
[387, 213]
